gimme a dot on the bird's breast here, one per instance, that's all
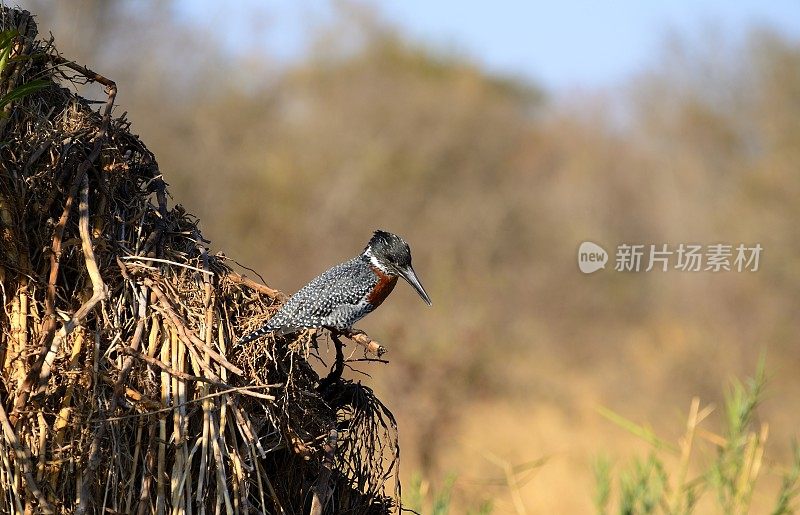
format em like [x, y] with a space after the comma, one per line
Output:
[382, 288]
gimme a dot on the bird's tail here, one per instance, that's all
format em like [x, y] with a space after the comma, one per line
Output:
[258, 333]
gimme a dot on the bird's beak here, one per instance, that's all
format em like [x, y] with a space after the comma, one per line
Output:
[409, 275]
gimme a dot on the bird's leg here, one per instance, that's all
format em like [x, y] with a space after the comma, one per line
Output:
[338, 367]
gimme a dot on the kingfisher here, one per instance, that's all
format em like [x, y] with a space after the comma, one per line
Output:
[346, 293]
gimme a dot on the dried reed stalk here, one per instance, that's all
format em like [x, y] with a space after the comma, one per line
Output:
[120, 388]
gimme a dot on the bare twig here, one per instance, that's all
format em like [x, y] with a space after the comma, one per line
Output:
[363, 339]
[23, 455]
[321, 490]
[253, 285]
[98, 287]
[167, 261]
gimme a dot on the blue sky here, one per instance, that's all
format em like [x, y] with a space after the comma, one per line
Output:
[564, 44]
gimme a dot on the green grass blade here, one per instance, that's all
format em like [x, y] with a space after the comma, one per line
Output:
[23, 90]
[642, 432]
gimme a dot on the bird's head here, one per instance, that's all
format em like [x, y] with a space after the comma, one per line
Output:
[392, 255]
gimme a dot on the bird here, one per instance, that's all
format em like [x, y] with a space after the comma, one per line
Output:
[347, 292]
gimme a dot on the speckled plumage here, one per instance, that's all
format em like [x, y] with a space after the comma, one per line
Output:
[344, 294]
[335, 298]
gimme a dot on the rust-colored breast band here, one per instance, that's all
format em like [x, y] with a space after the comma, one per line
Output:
[382, 289]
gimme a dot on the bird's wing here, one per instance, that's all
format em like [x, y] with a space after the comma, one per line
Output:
[342, 287]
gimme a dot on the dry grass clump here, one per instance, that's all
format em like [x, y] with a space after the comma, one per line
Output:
[121, 389]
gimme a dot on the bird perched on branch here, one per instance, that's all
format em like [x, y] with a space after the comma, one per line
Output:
[346, 293]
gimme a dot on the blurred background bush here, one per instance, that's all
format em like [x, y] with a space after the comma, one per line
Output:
[290, 158]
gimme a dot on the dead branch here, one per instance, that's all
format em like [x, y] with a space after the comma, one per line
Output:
[338, 366]
[130, 351]
[188, 336]
[98, 287]
[321, 490]
[253, 285]
[363, 339]
[23, 454]
[40, 371]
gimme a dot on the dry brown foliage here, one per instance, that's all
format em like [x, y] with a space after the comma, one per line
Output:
[120, 388]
